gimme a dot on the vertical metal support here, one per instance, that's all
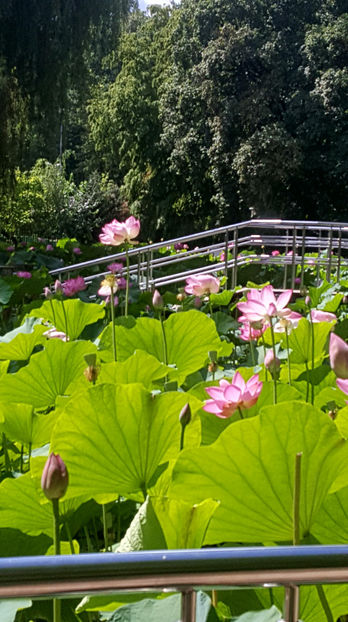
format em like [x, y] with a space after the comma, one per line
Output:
[339, 254]
[148, 261]
[285, 264]
[329, 258]
[318, 264]
[138, 271]
[293, 270]
[235, 255]
[151, 266]
[291, 603]
[188, 606]
[226, 259]
[303, 255]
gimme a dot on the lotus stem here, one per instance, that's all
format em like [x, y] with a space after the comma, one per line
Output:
[68, 533]
[65, 320]
[296, 500]
[312, 353]
[53, 313]
[112, 309]
[127, 282]
[105, 528]
[308, 381]
[252, 350]
[240, 412]
[324, 603]
[274, 356]
[288, 349]
[56, 544]
[165, 350]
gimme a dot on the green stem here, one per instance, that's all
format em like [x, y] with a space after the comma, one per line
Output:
[127, 281]
[252, 350]
[274, 356]
[6, 456]
[68, 533]
[325, 605]
[214, 598]
[105, 529]
[22, 455]
[118, 518]
[182, 437]
[88, 539]
[264, 356]
[112, 309]
[240, 412]
[296, 500]
[56, 543]
[288, 349]
[29, 455]
[53, 313]
[65, 320]
[312, 335]
[308, 381]
[165, 350]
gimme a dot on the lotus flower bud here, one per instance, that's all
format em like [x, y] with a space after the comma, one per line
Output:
[55, 477]
[58, 287]
[308, 301]
[47, 293]
[338, 356]
[272, 363]
[157, 300]
[185, 415]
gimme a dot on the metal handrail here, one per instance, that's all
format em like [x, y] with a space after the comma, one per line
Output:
[293, 235]
[184, 571]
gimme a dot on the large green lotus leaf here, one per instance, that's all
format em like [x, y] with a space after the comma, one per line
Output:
[140, 367]
[6, 292]
[311, 608]
[111, 603]
[168, 609]
[48, 374]
[20, 507]
[300, 341]
[9, 608]
[331, 525]
[23, 425]
[267, 615]
[144, 533]
[19, 343]
[15, 543]
[190, 336]
[342, 419]
[114, 437]
[78, 314]
[250, 469]
[184, 525]
[23, 506]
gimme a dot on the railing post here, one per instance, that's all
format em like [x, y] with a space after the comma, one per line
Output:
[226, 259]
[291, 603]
[339, 253]
[188, 606]
[285, 264]
[329, 258]
[303, 255]
[235, 255]
[293, 271]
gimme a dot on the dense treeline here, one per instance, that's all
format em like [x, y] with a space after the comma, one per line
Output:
[193, 116]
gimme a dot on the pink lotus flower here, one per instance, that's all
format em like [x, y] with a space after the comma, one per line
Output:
[115, 267]
[231, 396]
[53, 333]
[108, 285]
[76, 250]
[249, 333]
[73, 286]
[322, 316]
[55, 477]
[343, 385]
[49, 247]
[202, 285]
[58, 286]
[31, 248]
[275, 253]
[338, 351]
[262, 305]
[22, 274]
[179, 246]
[116, 233]
[10, 249]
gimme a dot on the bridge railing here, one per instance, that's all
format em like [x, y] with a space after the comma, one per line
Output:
[327, 242]
[184, 571]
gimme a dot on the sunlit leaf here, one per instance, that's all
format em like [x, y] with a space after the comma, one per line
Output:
[18, 344]
[76, 313]
[250, 469]
[184, 525]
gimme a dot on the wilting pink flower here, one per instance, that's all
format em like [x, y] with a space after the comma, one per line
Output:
[261, 305]
[322, 316]
[249, 333]
[115, 267]
[73, 286]
[55, 477]
[230, 396]
[49, 247]
[116, 233]
[58, 286]
[53, 333]
[288, 323]
[272, 363]
[76, 250]
[10, 249]
[22, 274]
[275, 253]
[202, 285]
[338, 351]
[108, 285]
[343, 385]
